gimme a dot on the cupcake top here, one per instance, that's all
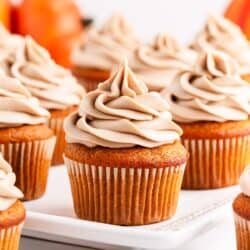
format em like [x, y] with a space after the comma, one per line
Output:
[17, 106]
[158, 64]
[213, 92]
[9, 194]
[54, 86]
[245, 181]
[222, 34]
[104, 49]
[122, 113]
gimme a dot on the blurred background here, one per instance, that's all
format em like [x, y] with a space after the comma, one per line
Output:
[58, 24]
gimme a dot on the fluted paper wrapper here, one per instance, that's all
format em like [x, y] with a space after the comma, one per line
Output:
[10, 237]
[215, 163]
[56, 124]
[124, 196]
[242, 227]
[30, 162]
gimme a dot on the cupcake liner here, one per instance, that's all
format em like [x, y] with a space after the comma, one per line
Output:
[10, 237]
[242, 227]
[30, 162]
[56, 124]
[215, 163]
[124, 196]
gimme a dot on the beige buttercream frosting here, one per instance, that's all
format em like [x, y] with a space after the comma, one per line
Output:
[245, 181]
[213, 92]
[54, 86]
[17, 106]
[104, 49]
[159, 63]
[122, 113]
[223, 35]
[9, 194]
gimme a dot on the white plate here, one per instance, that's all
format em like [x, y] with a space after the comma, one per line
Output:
[52, 218]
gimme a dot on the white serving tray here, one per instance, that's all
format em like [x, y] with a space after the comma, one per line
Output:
[52, 218]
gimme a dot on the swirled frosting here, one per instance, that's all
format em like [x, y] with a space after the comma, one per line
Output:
[245, 181]
[214, 92]
[159, 63]
[223, 35]
[9, 194]
[17, 106]
[104, 49]
[121, 113]
[54, 86]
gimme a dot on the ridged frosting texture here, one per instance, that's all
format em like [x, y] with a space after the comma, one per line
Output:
[17, 106]
[54, 86]
[213, 92]
[222, 34]
[9, 194]
[104, 49]
[157, 64]
[245, 181]
[121, 113]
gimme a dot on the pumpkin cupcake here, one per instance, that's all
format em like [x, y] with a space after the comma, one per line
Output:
[101, 51]
[211, 105]
[54, 86]
[12, 212]
[221, 34]
[124, 158]
[158, 64]
[25, 141]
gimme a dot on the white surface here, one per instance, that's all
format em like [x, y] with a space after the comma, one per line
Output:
[52, 217]
[179, 18]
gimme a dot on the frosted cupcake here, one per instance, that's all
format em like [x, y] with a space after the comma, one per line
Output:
[102, 51]
[124, 158]
[221, 34]
[12, 212]
[54, 86]
[241, 208]
[212, 106]
[25, 141]
[158, 64]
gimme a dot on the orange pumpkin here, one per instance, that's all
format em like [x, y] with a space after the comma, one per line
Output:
[5, 13]
[55, 24]
[239, 12]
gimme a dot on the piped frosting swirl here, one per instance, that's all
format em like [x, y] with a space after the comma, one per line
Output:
[245, 181]
[159, 63]
[9, 194]
[104, 49]
[214, 92]
[121, 113]
[54, 86]
[17, 106]
[221, 34]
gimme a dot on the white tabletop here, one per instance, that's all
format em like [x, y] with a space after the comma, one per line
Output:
[220, 237]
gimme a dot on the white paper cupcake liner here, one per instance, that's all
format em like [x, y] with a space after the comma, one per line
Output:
[124, 196]
[30, 162]
[215, 163]
[242, 232]
[10, 237]
[56, 124]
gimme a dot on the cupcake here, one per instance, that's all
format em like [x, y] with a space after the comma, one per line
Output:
[158, 64]
[54, 86]
[241, 208]
[25, 141]
[211, 105]
[102, 51]
[221, 34]
[124, 158]
[12, 212]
